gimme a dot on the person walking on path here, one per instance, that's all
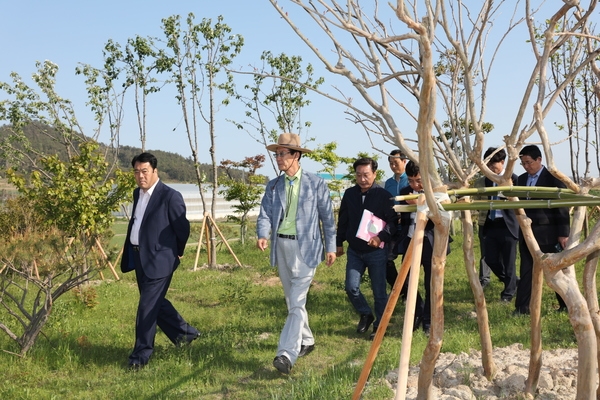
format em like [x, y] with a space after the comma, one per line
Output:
[297, 215]
[365, 255]
[155, 241]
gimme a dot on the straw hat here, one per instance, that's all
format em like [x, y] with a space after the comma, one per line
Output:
[289, 141]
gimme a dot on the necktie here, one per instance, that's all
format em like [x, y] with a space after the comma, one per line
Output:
[288, 202]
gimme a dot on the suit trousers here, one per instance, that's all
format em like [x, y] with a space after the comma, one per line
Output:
[525, 275]
[484, 269]
[296, 278]
[154, 309]
[501, 254]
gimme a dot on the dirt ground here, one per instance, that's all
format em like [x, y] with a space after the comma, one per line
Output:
[461, 376]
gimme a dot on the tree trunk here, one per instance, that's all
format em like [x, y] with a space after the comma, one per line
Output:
[432, 351]
[489, 367]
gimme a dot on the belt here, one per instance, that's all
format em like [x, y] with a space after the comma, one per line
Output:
[135, 248]
[293, 237]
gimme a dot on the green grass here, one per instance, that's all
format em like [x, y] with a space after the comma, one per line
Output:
[83, 351]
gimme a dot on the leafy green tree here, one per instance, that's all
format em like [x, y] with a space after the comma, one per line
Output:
[275, 98]
[50, 233]
[330, 160]
[71, 207]
[247, 192]
[197, 59]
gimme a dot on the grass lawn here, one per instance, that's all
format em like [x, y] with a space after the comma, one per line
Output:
[83, 351]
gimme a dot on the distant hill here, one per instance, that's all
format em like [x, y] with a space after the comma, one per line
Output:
[173, 167]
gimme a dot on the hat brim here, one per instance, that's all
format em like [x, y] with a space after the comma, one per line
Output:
[273, 147]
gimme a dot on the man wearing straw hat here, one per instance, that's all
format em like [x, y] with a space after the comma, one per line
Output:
[294, 207]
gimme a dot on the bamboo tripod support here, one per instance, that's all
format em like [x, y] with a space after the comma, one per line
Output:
[208, 217]
[100, 249]
[411, 258]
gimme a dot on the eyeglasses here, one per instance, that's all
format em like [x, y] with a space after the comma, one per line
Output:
[281, 154]
[527, 163]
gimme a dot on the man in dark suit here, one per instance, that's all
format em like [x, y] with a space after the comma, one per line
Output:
[550, 226]
[156, 238]
[501, 232]
[407, 230]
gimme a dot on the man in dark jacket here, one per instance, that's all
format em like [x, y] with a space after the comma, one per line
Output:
[501, 232]
[407, 224]
[550, 226]
[155, 241]
[364, 255]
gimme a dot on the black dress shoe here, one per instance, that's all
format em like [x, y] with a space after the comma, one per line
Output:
[372, 335]
[365, 322]
[282, 364]
[426, 328]
[135, 366]
[520, 311]
[184, 340]
[418, 322]
[305, 349]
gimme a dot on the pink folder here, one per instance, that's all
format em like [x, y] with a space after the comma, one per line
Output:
[370, 225]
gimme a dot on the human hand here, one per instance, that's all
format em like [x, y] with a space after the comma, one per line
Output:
[329, 259]
[262, 244]
[339, 251]
[563, 241]
[374, 241]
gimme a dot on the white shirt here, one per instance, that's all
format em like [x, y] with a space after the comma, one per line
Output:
[138, 214]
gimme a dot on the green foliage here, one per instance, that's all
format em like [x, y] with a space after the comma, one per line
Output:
[247, 193]
[276, 97]
[84, 354]
[327, 156]
[77, 197]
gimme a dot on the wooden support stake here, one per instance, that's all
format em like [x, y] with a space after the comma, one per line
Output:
[35, 269]
[411, 299]
[387, 315]
[214, 224]
[200, 241]
[208, 246]
[99, 246]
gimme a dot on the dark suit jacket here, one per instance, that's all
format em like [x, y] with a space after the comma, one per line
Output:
[163, 233]
[509, 216]
[548, 224]
[405, 223]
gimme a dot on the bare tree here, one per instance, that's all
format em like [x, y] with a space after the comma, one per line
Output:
[442, 52]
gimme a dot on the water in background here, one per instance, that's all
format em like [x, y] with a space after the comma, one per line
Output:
[193, 202]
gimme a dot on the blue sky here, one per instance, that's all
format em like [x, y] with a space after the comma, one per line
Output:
[71, 32]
